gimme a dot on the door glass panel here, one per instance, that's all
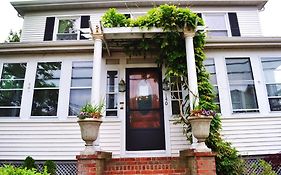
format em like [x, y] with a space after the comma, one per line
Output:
[144, 100]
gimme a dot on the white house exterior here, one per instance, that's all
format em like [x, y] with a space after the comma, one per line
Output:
[37, 111]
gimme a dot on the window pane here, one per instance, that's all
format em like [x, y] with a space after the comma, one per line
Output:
[243, 97]
[239, 69]
[275, 104]
[82, 74]
[67, 26]
[67, 36]
[175, 107]
[11, 84]
[217, 33]
[272, 69]
[48, 74]
[112, 81]
[273, 89]
[9, 112]
[210, 67]
[78, 98]
[215, 21]
[13, 71]
[10, 98]
[111, 101]
[45, 102]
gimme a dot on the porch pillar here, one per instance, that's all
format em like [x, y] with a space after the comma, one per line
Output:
[97, 67]
[191, 67]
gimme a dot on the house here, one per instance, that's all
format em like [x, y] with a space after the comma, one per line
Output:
[57, 67]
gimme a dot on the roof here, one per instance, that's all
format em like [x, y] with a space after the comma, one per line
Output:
[43, 5]
[88, 46]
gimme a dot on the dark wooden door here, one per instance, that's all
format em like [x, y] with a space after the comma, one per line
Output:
[144, 115]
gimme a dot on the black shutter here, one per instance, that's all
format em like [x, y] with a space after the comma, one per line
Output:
[49, 29]
[85, 22]
[235, 31]
[199, 14]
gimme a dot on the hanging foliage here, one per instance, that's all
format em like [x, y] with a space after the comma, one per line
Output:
[170, 46]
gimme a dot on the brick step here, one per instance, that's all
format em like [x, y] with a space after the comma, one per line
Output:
[146, 165]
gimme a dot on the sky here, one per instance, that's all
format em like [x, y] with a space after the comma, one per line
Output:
[270, 19]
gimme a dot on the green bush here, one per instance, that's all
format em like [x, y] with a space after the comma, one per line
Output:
[51, 167]
[29, 163]
[265, 167]
[10, 170]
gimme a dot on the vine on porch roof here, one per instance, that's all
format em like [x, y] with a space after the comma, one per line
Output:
[171, 53]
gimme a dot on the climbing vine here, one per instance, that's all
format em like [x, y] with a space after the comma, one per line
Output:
[170, 46]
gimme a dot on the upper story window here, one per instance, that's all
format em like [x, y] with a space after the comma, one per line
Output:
[221, 24]
[241, 85]
[272, 72]
[67, 28]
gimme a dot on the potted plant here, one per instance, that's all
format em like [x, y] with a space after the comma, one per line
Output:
[200, 120]
[89, 120]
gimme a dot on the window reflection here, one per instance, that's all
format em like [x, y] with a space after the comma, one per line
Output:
[11, 86]
[46, 90]
[241, 82]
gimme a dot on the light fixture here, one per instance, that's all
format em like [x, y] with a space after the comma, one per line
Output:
[165, 85]
[122, 86]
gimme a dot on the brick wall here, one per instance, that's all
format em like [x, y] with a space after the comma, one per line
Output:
[148, 165]
[190, 162]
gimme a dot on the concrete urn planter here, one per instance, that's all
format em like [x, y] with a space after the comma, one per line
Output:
[89, 128]
[201, 129]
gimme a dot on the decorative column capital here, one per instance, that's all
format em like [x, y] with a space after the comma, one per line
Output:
[97, 34]
[188, 32]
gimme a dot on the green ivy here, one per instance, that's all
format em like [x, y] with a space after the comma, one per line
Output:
[171, 53]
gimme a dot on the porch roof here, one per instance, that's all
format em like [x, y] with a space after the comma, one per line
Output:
[88, 46]
[42, 5]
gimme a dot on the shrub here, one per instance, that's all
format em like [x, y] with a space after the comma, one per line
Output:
[50, 166]
[29, 163]
[11, 170]
[265, 167]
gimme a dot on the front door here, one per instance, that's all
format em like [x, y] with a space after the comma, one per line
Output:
[144, 115]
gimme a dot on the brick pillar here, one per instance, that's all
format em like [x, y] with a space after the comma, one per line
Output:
[92, 164]
[199, 163]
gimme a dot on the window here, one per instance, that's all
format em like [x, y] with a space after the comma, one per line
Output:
[176, 95]
[111, 93]
[221, 24]
[216, 24]
[46, 89]
[241, 84]
[11, 87]
[272, 73]
[68, 29]
[81, 83]
[210, 66]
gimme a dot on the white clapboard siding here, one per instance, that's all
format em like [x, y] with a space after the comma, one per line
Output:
[249, 23]
[177, 139]
[253, 136]
[33, 28]
[46, 140]
[110, 137]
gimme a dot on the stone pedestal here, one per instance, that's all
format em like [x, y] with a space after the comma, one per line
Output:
[199, 163]
[92, 164]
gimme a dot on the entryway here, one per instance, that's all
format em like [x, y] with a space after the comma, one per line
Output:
[144, 110]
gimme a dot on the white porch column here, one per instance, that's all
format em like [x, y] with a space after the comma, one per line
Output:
[191, 68]
[97, 67]
[96, 96]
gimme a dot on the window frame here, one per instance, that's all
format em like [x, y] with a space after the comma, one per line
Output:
[56, 26]
[226, 19]
[246, 111]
